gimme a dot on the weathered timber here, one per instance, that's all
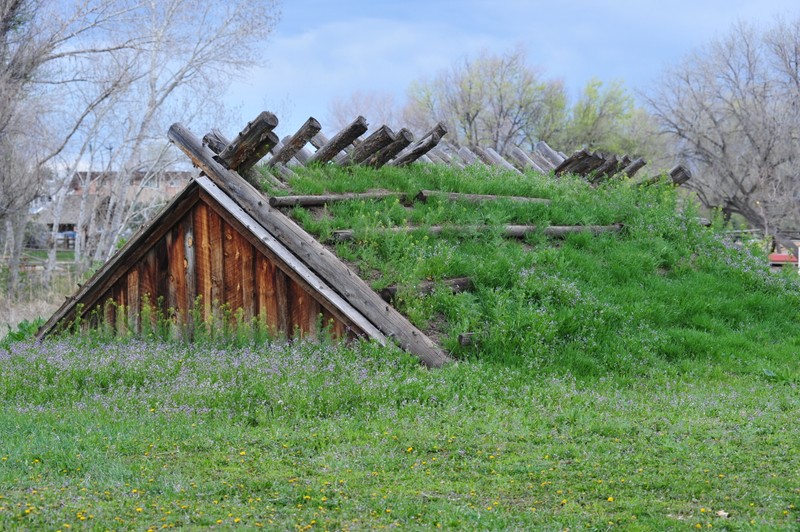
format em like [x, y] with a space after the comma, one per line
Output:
[425, 195]
[543, 163]
[217, 142]
[403, 139]
[483, 156]
[324, 199]
[678, 176]
[381, 138]
[456, 285]
[417, 151]
[567, 165]
[634, 166]
[508, 231]
[343, 138]
[549, 153]
[605, 170]
[319, 259]
[467, 156]
[251, 144]
[501, 161]
[310, 128]
[319, 140]
[524, 162]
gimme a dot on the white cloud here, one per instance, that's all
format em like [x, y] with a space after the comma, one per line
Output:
[326, 50]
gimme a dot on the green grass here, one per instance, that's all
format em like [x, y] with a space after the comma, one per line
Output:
[645, 380]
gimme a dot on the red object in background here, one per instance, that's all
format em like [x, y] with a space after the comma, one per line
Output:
[782, 258]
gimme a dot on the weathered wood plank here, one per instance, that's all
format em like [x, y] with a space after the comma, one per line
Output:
[343, 138]
[232, 268]
[134, 299]
[304, 310]
[148, 284]
[425, 195]
[247, 277]
[203, 269]
[216, 240]
[266, 298]
[296, 270]
[325, 199]
[189, 271]
[104, 278]
[283, 302]
[251, 144]
[290, 148]
[322, 261]
[177, 295]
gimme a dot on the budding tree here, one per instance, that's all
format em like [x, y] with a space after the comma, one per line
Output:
[497, 101]
[733, 110]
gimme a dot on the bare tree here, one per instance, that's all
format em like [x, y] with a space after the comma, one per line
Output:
[379, 108]
[118, 72]
[496, 101]
[733, 110]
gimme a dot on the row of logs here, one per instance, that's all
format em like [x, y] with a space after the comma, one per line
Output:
[387, 147]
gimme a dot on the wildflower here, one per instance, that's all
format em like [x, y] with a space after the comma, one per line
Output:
[611, 499]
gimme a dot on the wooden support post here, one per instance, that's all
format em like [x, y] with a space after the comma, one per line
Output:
[424, 195]
[319, 200]
[543, 163]
[425, 144]
[634, 167]
[251, 144]
[417, 151]
[381, 138]
[403, 139]
[345, 137]
[217, 142]
[524, 162]
[296, 143]
[316, 256]
[679, 175]
[567, 165]
[319, 140]
[549, 153]
[500, 161]
[467, 156]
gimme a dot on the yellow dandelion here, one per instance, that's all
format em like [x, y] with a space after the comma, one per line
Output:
[611, 499]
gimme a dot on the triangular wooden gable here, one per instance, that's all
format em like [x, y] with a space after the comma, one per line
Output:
[203, 257]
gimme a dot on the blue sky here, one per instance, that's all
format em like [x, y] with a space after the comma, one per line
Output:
[325, 49]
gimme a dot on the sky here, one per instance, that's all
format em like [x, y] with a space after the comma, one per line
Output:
[324, 49]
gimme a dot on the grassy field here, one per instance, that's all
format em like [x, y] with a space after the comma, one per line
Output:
[644, 380]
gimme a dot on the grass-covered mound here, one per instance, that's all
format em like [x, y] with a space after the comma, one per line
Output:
[664, 290]
[643, 380]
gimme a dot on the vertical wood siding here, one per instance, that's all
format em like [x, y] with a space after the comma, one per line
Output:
[204, 266]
